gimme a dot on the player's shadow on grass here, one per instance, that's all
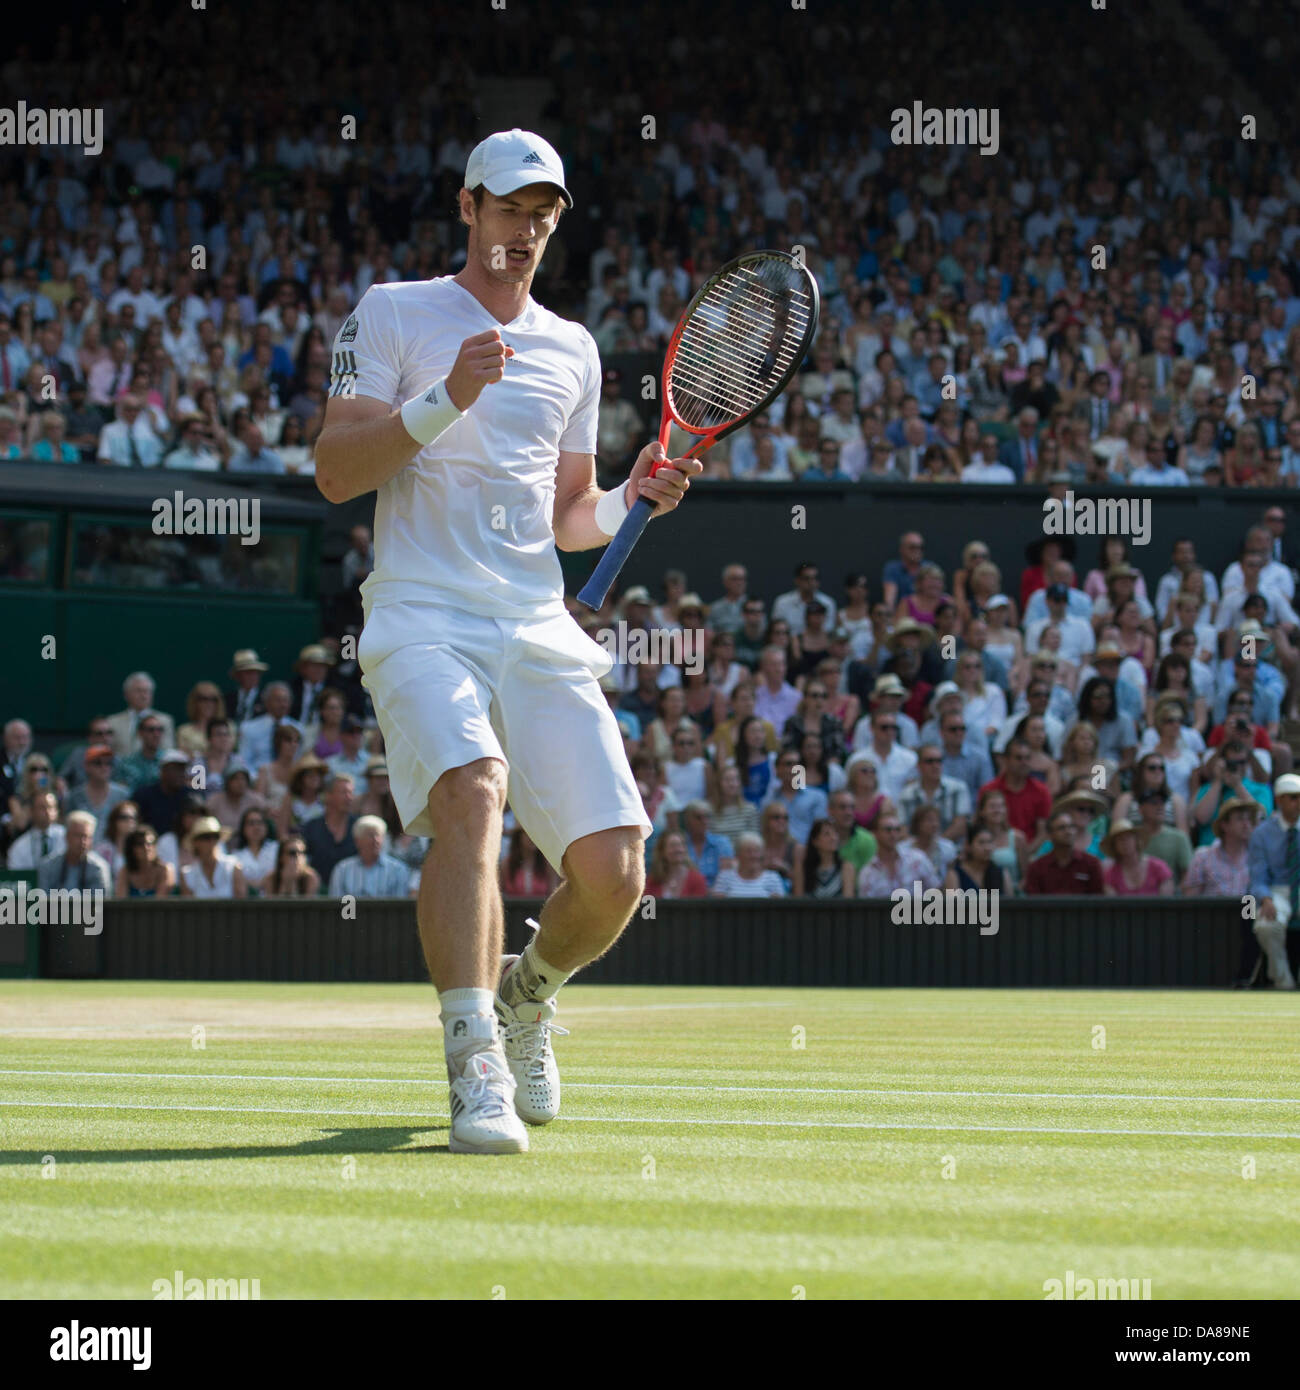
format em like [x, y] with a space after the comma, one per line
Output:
[333, 1141]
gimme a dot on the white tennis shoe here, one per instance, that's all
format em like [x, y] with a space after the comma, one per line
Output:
[483, 1119]
[525, 1032]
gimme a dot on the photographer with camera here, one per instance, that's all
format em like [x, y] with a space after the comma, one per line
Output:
[1227, 775]
[1239, 722]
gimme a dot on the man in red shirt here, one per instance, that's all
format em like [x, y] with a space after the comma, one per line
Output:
[1064, 870]
[1028, 800]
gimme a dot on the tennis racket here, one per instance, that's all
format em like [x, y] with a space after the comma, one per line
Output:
[734, 350]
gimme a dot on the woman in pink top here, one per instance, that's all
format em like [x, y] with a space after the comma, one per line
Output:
[1130, 873]
[920, 606]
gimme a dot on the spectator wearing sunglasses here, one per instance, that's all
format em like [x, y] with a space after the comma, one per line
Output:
[895, 865]
[98, 794]
[73, 771]
[963, 761]
[876, 741]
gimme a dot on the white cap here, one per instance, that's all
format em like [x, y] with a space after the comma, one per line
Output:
[1287, 785]
[512, 159]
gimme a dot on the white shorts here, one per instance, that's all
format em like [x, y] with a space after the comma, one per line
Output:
[451, 687]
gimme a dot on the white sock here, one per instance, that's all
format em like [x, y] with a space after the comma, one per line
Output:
[531, 977]
[469, 1025]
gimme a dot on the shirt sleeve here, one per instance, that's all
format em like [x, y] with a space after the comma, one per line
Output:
[366, 360]
[579, 435]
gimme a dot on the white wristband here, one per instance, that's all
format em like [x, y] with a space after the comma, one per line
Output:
[611, 509]
[427, 415]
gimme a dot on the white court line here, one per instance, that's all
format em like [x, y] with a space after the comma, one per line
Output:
[655, 1120]
[669, 1086]
[305, 1026]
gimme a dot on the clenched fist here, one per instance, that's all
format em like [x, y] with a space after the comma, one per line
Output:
[481, 360]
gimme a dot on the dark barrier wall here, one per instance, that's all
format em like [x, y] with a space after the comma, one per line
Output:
[858, 526]
[1069, 942]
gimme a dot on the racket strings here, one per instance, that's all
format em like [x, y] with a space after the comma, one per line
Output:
[746, 333]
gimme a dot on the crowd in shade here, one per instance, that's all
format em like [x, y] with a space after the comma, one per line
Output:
[182, 287]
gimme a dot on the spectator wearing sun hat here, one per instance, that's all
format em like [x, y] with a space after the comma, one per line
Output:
[888, 693]
[309, 679]
[913, 655]
[1222, 869]
[1129, 871]
[1274, 854]
[244, 697]
[213, 874]
[1110, 662]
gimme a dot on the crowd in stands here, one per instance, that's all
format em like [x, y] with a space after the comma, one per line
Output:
[266, 788]
[969, 333]
[1076, 728]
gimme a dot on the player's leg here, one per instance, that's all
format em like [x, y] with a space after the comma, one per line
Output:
[572, 790]
[604, 877]
[462, 933]
[459, 907]
[432, 675]
[580, 921]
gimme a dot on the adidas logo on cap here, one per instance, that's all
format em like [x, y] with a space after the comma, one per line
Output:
[532, 157]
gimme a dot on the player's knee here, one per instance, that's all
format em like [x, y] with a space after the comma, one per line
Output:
[468, 802]
[608, 870]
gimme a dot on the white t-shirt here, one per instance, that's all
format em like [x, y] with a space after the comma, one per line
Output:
[467, 522]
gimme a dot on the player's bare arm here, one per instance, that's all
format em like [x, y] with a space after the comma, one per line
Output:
[573, 518]
[365, 442]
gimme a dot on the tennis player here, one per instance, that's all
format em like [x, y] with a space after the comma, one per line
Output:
[472, 410]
